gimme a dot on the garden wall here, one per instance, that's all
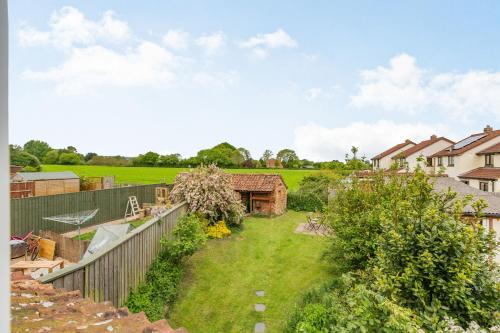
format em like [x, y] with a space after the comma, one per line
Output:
[28, 213]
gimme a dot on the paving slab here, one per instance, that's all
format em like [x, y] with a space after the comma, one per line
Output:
[260, 328]
[260, 307]
[260, 293]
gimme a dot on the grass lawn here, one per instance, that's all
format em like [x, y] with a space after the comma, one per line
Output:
[150, 175]
[218, 291]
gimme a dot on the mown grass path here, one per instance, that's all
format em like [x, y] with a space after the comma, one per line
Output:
[218, 291]
[150, 175]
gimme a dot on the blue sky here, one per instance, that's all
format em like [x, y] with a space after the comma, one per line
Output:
[172, 76]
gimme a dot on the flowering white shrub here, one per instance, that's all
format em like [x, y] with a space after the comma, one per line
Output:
[208, 191]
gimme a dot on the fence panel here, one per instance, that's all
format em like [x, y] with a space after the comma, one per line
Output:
[111, 273]
[27, 213]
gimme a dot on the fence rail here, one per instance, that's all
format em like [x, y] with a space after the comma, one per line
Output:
[111, 273]
[28, 213]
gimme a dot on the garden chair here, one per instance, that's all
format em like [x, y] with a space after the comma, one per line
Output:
[312, 223]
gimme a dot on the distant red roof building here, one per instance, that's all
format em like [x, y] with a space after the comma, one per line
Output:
[274, 163]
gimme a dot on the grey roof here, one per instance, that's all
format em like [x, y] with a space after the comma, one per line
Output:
[30, 176]
[442, 184]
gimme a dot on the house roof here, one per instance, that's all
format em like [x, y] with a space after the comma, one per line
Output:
[393, 149]
[256, 182]
[482, 138]
[38, 307]
[421, 145]
[32, 176]
[442, 184]
[495, 149]
[487, 173]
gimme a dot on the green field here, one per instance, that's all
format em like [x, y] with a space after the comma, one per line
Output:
[151, 175]
[218, 289]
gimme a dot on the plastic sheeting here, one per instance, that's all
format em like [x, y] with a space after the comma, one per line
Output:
[106, 235]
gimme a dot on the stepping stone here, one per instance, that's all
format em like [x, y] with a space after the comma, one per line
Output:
[260, 293]
[260, 307]
[260, 328]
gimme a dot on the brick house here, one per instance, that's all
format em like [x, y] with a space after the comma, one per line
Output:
[261, 193]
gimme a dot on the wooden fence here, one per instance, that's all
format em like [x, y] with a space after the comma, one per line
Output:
[28, 213]
[111, 273]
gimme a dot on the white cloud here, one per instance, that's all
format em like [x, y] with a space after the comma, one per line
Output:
[215, 80]
[68, 26]
[87, 69]
[212, 42]
[404, 87]
[272, 40]
[260, 53]
[321, 143]
[176, 39]
[313, 94]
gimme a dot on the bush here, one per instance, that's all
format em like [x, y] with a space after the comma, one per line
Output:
[431, 260]
[218, 230]
[24, 159]
[208, 191]
[70, 159]
[160, 288]
[345, 305]
[52, 157]
[110, 160]
[310, 202]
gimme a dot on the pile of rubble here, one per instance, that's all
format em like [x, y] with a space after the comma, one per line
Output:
[37, 307]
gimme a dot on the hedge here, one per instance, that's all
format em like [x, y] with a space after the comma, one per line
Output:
[308, 202]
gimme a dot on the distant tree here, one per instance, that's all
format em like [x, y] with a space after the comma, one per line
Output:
[354, 151]
[222, 155]
[70, 158]
[171, 160]
[89, 156]
[70, 149]
[268, 154]
[110, 160]
[21, 158]
[52, 157]
[148, 159]
[288, 158]
[37, 148]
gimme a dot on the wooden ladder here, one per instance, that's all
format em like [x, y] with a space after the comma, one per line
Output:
[132, 207]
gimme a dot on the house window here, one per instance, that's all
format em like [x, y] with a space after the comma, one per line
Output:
[440, 161]
[429, 161]
[483, 186]
[451, 161]
[466, 182]
[488, 160]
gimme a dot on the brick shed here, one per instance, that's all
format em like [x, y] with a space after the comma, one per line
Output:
[261, 193]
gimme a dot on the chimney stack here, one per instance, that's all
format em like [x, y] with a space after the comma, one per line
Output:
[488, 129]
[433, 137]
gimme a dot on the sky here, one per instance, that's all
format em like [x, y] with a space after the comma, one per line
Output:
[116, 77]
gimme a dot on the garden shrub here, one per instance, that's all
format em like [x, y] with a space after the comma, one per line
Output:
[218, 230]
[346, 305]
[431, 260]
[312, 194]
[160, 288]
[309, 202]
[417, 248]
[208, 191]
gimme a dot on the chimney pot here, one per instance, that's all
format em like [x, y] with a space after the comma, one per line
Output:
[488, 129]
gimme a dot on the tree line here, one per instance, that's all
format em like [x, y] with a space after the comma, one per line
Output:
[36, 152]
